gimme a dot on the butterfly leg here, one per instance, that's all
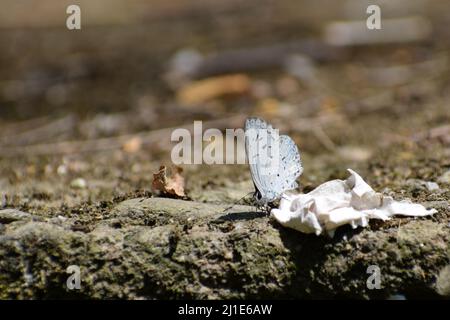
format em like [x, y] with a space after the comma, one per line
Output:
[265, 209]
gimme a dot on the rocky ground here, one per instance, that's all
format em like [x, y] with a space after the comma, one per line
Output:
[85, 123]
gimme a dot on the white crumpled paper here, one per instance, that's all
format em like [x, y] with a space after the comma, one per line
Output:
[339, 202]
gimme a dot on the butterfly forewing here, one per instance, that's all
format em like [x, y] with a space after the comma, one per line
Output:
[253, 128]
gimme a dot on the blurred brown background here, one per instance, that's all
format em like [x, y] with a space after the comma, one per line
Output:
[98, 104]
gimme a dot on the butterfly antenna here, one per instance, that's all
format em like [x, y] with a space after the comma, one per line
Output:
[228, 208]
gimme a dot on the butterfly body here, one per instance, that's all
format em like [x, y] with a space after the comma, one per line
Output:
[274, 161]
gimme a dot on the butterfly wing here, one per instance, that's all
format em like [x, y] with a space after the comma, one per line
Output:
[290, 166]
[278, 177]
[251, 150]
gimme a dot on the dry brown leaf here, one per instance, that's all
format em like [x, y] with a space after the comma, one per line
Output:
[215, 87]
[268, 107]
[132, 145]
[169, 186]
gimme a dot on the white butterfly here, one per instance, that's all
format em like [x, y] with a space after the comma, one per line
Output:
[272, 173]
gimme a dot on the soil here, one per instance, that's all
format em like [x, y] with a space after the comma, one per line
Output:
[95, 208]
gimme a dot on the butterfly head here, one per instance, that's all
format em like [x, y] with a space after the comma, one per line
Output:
[263, 200]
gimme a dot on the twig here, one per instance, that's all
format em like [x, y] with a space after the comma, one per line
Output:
[440, 132]
[324, 139]
[41, 133]
[19, 126]
[160, 137]
[264, 57]
[395, 30]
[312, 123]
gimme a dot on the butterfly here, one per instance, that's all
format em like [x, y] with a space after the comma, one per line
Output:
[274, 161]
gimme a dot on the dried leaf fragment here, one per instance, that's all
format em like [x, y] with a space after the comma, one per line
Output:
[133, 145]
[208, 89]
[172, 185]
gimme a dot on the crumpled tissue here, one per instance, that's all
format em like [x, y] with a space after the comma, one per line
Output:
[338, 202]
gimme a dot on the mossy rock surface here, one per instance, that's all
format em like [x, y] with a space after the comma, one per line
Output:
[162, 248]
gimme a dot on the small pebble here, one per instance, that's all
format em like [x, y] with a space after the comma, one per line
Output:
[62, 170]
[397, 297]
[228, 255]
[78, 183]
[445, 178]
[418, 185]
[2, 200]
[431, 186]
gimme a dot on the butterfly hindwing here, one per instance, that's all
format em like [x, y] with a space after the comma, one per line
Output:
[290, 167]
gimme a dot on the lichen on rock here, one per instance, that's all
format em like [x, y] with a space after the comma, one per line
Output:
[166, 248]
